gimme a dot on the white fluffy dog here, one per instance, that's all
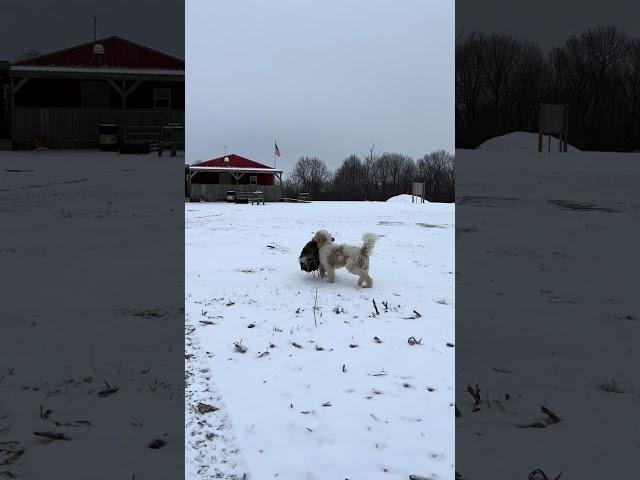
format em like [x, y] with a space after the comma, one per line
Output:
[356, 259]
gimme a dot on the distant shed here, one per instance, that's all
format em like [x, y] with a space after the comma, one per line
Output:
[210, 180]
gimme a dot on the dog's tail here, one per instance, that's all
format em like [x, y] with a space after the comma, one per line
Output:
[368, 241]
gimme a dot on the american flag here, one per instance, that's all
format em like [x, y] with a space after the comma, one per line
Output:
[277, 151]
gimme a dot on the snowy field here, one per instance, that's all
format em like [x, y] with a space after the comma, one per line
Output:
[328, 387]
[564, 333]
[83, 287]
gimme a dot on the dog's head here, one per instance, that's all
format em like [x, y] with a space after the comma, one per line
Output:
[322, 238]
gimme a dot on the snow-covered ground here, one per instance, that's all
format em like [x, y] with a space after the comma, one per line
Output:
[90, 315]
[328, 388]
[548, 311]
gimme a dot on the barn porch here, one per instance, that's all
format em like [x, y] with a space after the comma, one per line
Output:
[217, 193]
[211, 184]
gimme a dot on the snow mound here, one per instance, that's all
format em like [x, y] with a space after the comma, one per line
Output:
[404, 198]
[521, 141]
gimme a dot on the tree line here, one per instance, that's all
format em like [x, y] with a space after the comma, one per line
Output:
[500, 81]
[373, 176]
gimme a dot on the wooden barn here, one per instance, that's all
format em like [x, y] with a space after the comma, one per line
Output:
[212, 179]
[60, 99]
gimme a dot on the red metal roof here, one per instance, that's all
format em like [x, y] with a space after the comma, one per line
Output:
[118, 52]
[235, 161]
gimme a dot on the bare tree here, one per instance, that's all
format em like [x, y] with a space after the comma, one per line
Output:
[470, 79]
[372, 177]
[436, 170]
[311, 175]
[500, 81]
[350, 179]
[631, 88]
[371, 182]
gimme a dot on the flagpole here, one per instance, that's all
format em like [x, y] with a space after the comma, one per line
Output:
[275, 165]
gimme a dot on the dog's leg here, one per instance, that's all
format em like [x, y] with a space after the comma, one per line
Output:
[362, 274]
[331, 275]
[369, 281]
[322, 271]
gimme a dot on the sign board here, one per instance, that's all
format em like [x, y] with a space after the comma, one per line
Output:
[418, 190]
[553, 119]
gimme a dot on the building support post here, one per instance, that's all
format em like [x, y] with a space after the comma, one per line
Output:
[12, 108]
[12, 104]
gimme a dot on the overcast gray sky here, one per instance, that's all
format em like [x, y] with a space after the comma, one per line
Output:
[47, 25]
[322, 78]
[548, 22]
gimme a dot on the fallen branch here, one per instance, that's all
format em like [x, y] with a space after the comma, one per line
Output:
[553, 418]
[539, 474]
[157, 443]
[108, 391]
[377, 340]
[206, 408]
[315, 303]
[44, 414]
[297, 345]
[52, 435]
[239, 347]
[533, 425]
[475, 393]
[413, 341]
[376, 307]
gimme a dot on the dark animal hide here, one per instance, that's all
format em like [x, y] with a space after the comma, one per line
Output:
[310, 257]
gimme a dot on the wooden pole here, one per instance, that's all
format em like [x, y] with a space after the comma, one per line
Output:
[560, 142]
[566, 125]
[12, 108]
[539, 128]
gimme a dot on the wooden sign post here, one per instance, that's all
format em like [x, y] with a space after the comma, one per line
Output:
[418, 190]
[553, 119]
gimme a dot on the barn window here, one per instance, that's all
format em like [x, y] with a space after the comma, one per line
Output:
[253, 180]
[162, 98]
